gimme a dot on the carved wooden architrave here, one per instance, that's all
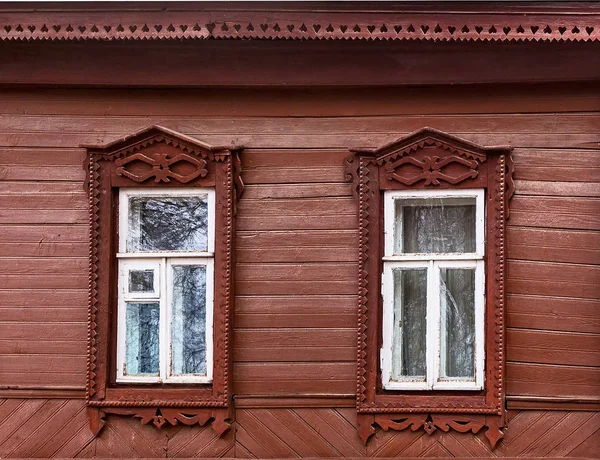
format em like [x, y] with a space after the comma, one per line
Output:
[157, 157]
[429, 159]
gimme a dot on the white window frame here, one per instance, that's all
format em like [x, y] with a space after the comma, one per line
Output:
[432, 262]
[161, 262]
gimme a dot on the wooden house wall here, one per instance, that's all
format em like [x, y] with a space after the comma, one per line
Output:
[295, 308]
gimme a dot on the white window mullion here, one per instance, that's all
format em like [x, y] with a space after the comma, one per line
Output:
[164, 321]
[433, 345]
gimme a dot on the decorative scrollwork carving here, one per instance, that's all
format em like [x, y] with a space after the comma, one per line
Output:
[161, 167]
[421, 160]
[431, 170]
[430, 423]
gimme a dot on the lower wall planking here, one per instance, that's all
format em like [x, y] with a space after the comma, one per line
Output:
[58, 428]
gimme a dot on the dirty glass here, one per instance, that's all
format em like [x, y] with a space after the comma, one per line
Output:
[176, 223]
[410, 321]
[141, 280]
[188, 336]
[435, 225]
[142, 338]
[457, 307]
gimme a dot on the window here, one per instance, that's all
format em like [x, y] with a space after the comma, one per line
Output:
[166, 273]
[431, 273]
[162, 235]
[433, 290]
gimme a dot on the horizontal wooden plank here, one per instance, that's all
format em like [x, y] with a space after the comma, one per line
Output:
[43, 216]
[43, 298]
[324, 287]
[303, 254]
[295, 386]
[46, 266]
[307, 140]
[552, 380]
[294, 337]
[288, 371]
[34, 346]
[44, 331]
[42, 363]
[292, 319]
[556, 156]
[288, 304]
[292, 175]
[41, 156]
[43, 201]
[254, 192]
[261, 158]
[36, 188]
[44, 249]
[565, 280]
[297, 272]
[120, 125]
[43, 379]
[310, 238]
[294, 354]
[573, 246]
[33, 282]
[553, 313]
[44, 233]
[48, 313]
[157, 104]
[301, 206]
[42, 173]
[564, 173]
[572, 189]
[554, 205]
[553, 347]
[301, 222]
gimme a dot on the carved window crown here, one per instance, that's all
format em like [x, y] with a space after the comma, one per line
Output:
[426, 164]
[162, 164]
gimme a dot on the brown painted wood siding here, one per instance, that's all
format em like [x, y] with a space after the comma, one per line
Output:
[296, 284]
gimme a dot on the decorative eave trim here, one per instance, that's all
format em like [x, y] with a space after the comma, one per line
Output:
[281, 25]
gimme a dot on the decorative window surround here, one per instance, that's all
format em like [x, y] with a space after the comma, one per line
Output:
[158, 159]
[429, 160]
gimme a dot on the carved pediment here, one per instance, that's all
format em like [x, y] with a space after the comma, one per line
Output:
[430, 157]
[160, 154]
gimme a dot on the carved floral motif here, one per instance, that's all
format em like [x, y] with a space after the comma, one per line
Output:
[431, 170]
[161, 167]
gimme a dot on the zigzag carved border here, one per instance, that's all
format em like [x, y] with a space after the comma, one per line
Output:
[294, 25]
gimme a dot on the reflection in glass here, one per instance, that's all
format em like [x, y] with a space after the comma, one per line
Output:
[435, 225]
[141, 280]
[142, 342]
[410, 321]
[168, 223]
[457, 291]
[188, 336]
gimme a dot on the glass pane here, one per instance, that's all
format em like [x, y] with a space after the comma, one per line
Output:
[168, 223]
[141, 280]
[188, 327]
[141, 343]
[457, 291]
[410, 322]
[435, 225]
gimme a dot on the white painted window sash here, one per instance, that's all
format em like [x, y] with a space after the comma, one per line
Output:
[161, 263]
[167, 358]
[433, 263]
